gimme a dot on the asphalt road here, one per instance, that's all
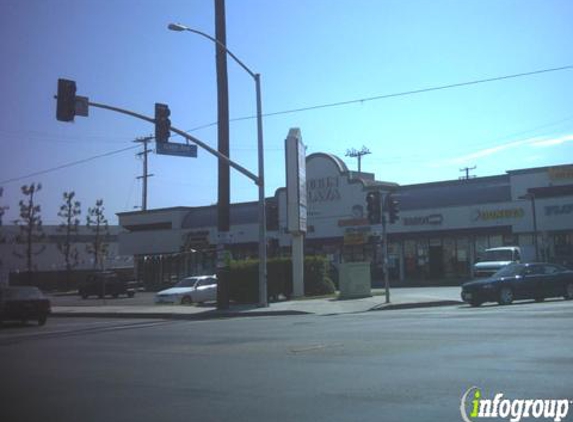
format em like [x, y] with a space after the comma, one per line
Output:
[407, 365]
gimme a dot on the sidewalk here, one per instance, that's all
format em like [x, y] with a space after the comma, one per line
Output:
[401, 298]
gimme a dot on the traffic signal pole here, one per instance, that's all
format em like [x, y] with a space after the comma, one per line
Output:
[185, 135]
[385, 259]
[378, 206]
[69, 105]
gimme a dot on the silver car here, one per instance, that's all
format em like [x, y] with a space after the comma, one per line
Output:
[196, 289]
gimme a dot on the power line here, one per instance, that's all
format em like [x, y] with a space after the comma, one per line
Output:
[399, 94]
[63, 166]
[315, 107]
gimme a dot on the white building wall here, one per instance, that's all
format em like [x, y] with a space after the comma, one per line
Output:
[543, 177]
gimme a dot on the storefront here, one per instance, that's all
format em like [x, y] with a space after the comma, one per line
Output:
[443, 226]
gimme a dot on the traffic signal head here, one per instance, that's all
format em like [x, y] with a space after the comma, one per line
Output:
[373, 207]
[393, 209]
[66, 106]
[162, 122]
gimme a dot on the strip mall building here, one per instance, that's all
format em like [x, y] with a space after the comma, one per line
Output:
[442, 229]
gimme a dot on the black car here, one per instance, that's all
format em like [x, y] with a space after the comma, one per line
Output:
[22, 303]
[520, 281]
[103, 284]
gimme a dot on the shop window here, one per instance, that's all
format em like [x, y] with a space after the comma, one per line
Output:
[495, 241]
[462, 257]
[409, 258]
[525, 239]
[450, 257]
[481, 245]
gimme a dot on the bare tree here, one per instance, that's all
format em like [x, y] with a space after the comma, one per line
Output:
[98, 223]
[3, 209]
[69, 227]
[30, 226]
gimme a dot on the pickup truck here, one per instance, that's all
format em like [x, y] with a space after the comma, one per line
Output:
[105, 283]
[494, 259]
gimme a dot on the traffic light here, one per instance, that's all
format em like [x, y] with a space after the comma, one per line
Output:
[393, 209]
[373, 207]
[162, 122]
[66, 106]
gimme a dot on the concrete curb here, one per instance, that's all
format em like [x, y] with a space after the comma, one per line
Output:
[175, 315]
[414, 305]
[217, 314]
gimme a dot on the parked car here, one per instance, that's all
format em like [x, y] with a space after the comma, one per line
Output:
[494, 259]
[22, 303]
[105, 284]
[196, 289]
[520, 281]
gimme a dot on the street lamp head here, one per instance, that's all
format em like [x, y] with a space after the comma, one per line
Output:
[177, 27]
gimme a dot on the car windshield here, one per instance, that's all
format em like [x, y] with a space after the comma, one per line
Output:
[510, 271]
[497, 255]
[187, 282]
[23, 293]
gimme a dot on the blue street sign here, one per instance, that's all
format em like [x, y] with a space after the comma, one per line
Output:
[180, 150]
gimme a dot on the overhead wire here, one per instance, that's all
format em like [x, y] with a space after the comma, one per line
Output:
[71, 164]
[310, 108]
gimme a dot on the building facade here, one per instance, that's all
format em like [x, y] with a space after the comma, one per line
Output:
[442, 229]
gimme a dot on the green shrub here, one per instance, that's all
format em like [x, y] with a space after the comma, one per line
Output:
[244, 278]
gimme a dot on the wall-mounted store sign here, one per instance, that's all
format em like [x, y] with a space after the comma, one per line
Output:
[499, 214]
[553, 210]
[357, 236]
[354, 238]
[560, 173]
[426, 220]
[195, 240]
[353, 222]
[325, 189]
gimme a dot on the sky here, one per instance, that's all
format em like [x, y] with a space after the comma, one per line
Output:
[309, 53]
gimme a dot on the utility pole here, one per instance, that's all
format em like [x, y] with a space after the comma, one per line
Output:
[358, 154]
[467, 171]
[145, 175]
[223, 191]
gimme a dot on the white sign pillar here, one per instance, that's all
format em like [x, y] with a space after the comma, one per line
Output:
[296, 205]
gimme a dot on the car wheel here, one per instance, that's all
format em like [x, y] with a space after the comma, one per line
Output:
[42, 320]
[505, 296]
[569, 291]
[475, 303]
[186, 300]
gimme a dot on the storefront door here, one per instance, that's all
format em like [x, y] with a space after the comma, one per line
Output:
[436, 255]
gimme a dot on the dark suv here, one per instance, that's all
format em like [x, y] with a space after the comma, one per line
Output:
[104, 284]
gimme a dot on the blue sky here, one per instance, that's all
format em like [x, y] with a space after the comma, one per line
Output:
[309, 52]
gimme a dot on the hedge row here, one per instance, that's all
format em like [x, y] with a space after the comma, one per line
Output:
[243, 278]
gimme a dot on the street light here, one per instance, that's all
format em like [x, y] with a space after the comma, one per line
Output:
[177, 27]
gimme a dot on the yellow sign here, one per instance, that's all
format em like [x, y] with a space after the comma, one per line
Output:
[561, 172]
[354, 238]
[499, 214]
